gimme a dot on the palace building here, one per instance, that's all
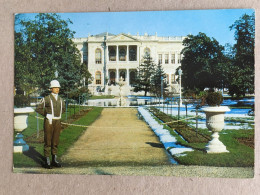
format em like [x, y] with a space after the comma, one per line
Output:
[110, 57]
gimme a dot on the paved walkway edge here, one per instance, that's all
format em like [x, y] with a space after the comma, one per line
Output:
[174, 170]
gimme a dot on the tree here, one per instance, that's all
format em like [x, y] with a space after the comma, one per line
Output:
[25, 77]
[144, 75]
[82, 90]
[241, 72]
[156, 81]
[44, 47]
[202, 63]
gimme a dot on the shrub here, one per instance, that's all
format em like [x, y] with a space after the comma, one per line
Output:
[21, 101]
[214, 98]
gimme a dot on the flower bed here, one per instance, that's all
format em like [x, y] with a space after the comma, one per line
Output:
[188, 133]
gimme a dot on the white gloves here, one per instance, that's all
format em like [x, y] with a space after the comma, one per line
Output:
[49, 117]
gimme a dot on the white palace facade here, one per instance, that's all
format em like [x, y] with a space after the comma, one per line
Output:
[110, 57]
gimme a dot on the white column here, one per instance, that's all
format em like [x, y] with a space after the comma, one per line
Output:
[117, 75]
[128, 78]
[107, 76]
[180, 92]
[107, 59]
[137, 53]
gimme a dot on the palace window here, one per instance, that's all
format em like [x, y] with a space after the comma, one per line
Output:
[122, 74]
[166, 58]
[132, 77]
[173, 58]
[85, 53]
[122, 53]
[98, 78]
[133, 53]
[179, 58]
[112, 78]
[173, 79]
[98, 56]
[167, 78]
[112, 53]
[160, 59]
[147, 52]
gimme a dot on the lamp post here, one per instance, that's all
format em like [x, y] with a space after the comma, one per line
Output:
[162, 87]
[180, 73]
[105, 68]
[162, 90]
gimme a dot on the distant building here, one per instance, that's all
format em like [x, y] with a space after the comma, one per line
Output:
[110, 57]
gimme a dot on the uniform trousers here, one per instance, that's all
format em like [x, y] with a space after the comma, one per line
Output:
[51, 137]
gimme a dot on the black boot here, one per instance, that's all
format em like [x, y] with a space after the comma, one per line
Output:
[47, 164]
[55, 163]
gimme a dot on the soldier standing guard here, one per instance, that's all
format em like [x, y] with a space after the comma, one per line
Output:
[51, 107]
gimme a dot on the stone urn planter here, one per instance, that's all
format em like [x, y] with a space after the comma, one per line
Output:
[215, 121]
[20, 124]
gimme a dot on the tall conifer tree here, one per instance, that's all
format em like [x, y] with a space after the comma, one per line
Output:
[145, 72]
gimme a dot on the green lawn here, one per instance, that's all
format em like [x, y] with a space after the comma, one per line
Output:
[240, 155]
[239, 143]
[68, 136]
[101, 97]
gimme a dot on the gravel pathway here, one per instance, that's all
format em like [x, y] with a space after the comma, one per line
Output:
[118, 138]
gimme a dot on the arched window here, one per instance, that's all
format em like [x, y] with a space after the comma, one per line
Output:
[122, 74]
[132, 77]
[98, 56]
[112, 78]
[167, 78]
[98, 77]
[166, 59]
[179, 58]
[173, 79]
[147, 52]
[159, 58]
[173, 58]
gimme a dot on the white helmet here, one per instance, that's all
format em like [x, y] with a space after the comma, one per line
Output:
[54, 83]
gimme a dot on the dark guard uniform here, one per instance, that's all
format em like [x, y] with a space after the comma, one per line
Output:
[51, 109]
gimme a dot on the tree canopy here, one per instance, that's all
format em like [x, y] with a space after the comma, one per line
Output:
[202, 63]
[241, 71]
[207, 64]
[44, 51]
[149, 77]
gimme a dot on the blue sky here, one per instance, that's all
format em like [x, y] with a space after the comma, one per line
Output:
[215, 23]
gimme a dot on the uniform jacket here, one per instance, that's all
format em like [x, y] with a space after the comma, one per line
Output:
[44, 107]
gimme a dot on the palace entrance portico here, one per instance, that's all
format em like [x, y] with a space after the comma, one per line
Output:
[127, 74]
